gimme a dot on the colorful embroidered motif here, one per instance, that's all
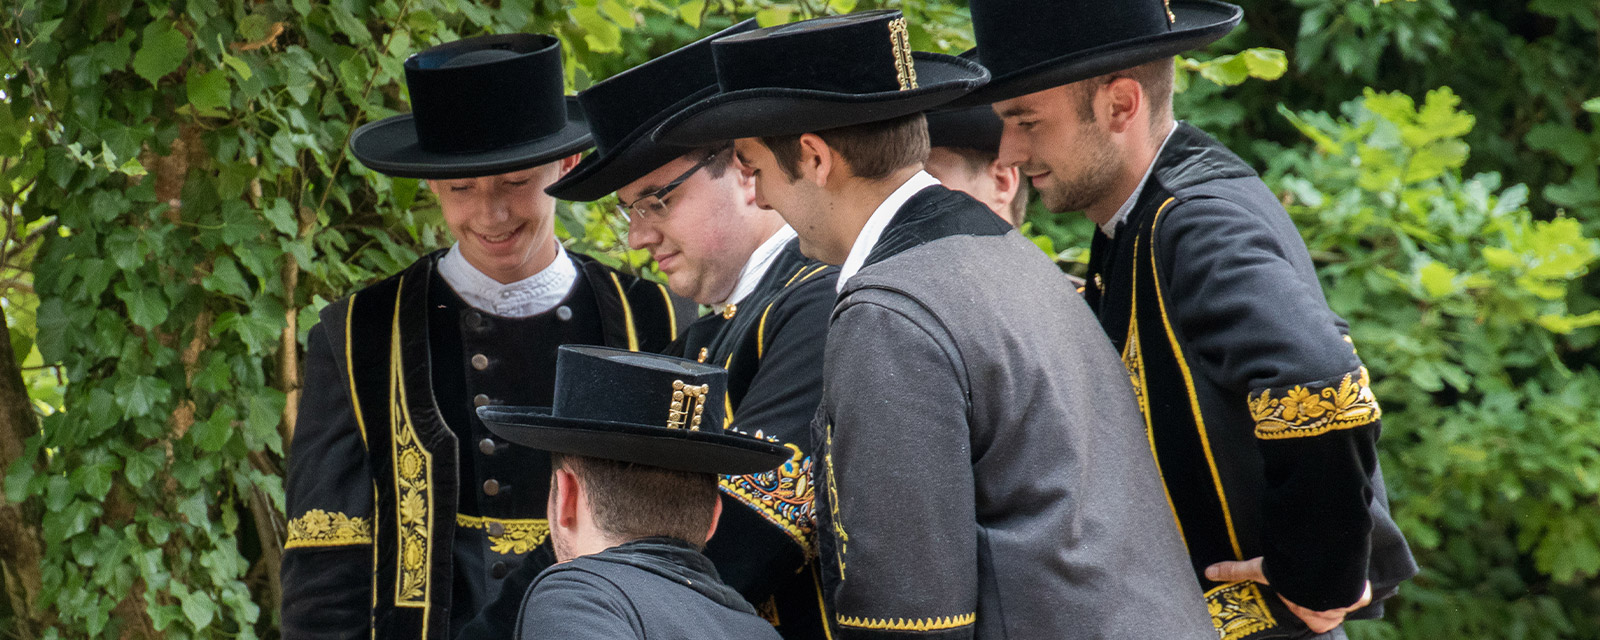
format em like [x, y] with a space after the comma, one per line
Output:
[908, 624]
[318, 528]
[1302, 412]
[413, 472]
[784, 496]
[905, 68]
[1238, 610]
[517, 536]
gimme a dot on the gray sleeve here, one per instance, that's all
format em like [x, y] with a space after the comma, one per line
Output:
[898, 474]
[576, 605]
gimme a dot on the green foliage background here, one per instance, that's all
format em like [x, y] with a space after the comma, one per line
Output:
[178, 203]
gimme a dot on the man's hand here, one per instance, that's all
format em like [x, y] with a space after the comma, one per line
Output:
[1318, 621]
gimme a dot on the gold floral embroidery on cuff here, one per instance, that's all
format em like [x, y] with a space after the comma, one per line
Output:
[1238, 609]
[909, 624]
[508, 537]
[783, 496]
[1312, 410]
[318, 528]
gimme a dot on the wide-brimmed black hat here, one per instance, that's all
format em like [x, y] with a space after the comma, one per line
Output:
[626, 108]
[1033, 45]
[479, 107]
[637, 407]
[817, 75]
[976, 128]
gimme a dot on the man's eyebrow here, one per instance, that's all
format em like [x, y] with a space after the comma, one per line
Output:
[1016, 111]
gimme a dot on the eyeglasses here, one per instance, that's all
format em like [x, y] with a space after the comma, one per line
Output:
[652, 207]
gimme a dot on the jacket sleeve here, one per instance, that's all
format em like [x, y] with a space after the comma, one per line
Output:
[901, 549]
[1244, 297]
[327, 560]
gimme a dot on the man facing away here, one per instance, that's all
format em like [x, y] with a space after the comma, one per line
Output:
[965, 157]
[636, 442]
[697, 217]
[1259, 410]
[405, 514]
[973, 485]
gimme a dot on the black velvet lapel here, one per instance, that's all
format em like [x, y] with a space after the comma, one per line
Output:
[931, 214]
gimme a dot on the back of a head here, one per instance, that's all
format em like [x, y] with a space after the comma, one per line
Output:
[631, 501]
[873, 151]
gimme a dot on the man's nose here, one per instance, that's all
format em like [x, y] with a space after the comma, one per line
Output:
[641, 235]
[1013, 148]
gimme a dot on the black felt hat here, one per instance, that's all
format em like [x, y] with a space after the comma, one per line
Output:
[479, 107]
[626, 108]
[817, 75]
[637, 407]
[1033, 45]
[975, 127]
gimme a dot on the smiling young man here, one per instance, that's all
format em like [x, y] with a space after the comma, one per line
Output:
[405, 514]
[1259, 410]
[698, 218]
[970, 486]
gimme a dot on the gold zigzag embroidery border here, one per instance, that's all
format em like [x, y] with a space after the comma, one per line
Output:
[909, 624]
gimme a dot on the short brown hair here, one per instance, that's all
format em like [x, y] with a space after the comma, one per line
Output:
[873, 150]
[722, 153]
[632, 501]
[977, 163]
[1155, 77]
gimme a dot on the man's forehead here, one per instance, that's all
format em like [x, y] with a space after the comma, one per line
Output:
[1031, 104]
[655, 180]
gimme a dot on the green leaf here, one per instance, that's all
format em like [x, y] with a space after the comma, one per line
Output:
[266, 411]
[140, 395]
[198, 607]
[141, 467]
[1592, 105]
[161, 51]
[147, 307]
[773, 16]
[281, 214]
[211, 434]
[1266, 64]
[210, 91]
[1437, 280]
[690, 12]
[602, 35]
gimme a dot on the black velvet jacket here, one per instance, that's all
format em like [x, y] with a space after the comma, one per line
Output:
[404, 514]
[1259, 410]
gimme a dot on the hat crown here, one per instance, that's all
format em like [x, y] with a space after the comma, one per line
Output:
[1015, 34]
[613, 385]
[866, 52]
[487, 93]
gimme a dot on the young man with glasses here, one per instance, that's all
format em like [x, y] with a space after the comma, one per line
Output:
[698, 218]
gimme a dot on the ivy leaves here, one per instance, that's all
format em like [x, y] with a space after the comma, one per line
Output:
[161, 51]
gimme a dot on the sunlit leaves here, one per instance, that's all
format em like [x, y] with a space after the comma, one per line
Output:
[161, 51]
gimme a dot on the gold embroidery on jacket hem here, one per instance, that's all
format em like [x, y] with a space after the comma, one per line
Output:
[413, 476]
[909, 624]
[1312, 410]
[318, 528]
[784, 496]
[1238, 609]
[519, 537]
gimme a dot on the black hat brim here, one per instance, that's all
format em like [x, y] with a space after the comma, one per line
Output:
[776, 111]
[1198, 23]
[635, 156]
[389, 146]
[652, 445]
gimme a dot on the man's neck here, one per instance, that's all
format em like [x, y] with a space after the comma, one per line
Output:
[854, 202]
[1142, 153]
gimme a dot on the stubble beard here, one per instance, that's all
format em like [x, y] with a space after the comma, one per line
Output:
[1093, 181]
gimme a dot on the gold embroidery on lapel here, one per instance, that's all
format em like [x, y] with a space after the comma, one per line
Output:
[413, 474]
[318, 528]
[1238, 610]
[688, 403]
[517, 537]
[1133, 359]
[904, 66]
[1302, 412]
[784, 496]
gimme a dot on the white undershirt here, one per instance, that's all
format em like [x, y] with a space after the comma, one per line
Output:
[1110, 226]
[756, 267]
[529, 296]
[868, 238]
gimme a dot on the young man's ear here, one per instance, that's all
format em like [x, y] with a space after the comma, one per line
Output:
[1006, 180]
[565, 494]
[817, 160]
[1123, 104]
[569, 162]
[716, 516]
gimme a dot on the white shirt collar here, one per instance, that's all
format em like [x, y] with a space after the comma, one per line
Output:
[529, 296]
[756, 267]
[1110, 226]
[873, 230]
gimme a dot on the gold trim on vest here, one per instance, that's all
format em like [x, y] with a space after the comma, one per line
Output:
[516, 537]
[413, 477]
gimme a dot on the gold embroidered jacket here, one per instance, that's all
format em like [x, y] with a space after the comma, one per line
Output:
[1258, 409]
[403, 513]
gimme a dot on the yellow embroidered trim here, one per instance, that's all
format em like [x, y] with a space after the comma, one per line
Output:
[519, 537]
[905, 69]
[813, 272]
[1301, 413]
[1238, 609]
[1188, 383]
[1133, 359]
[318, 528]
[784, 496]
[413, 474]
[672, 315]
[919, 624]
[627, 313]
[796, 275]
[349, 318]
[761, 332]
[769, 611]
[833, 501]
[822, 604]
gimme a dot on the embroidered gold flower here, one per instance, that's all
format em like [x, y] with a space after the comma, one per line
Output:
[1315, 409]
[413, 509]
[1238, 609]
[410, 464]
[318, 528]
